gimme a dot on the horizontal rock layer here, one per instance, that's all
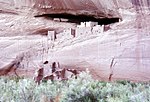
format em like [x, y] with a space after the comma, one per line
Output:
[97, 8]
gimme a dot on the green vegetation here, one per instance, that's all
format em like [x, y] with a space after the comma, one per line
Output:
[82, 89]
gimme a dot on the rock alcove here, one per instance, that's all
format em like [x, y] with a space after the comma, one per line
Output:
[79, 18]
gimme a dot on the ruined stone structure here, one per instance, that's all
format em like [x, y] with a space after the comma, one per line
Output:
[55, 73]
[51, 35]
[85, 28]
[91, 24]
[69, 33]
[83, 31]
[98, 29]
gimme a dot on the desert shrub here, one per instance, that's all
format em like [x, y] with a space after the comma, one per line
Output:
[82, 89]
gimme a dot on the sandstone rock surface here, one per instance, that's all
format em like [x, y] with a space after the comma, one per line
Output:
[122, 51]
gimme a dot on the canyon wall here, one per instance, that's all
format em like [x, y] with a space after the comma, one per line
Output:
[122, 51]
[97, 8]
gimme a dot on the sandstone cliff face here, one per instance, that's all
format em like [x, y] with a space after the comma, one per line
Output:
[126, 45]
[98, 8]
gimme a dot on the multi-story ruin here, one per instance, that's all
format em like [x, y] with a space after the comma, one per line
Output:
[85, 28]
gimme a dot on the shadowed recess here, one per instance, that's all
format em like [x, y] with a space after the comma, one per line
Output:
[80, 18]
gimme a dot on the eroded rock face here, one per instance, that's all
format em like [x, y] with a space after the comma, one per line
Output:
[127, 42]
[97, 8]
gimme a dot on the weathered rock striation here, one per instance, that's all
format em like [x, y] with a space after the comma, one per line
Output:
[119, 53]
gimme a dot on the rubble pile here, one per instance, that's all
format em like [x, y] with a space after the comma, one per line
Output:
[55, 73]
